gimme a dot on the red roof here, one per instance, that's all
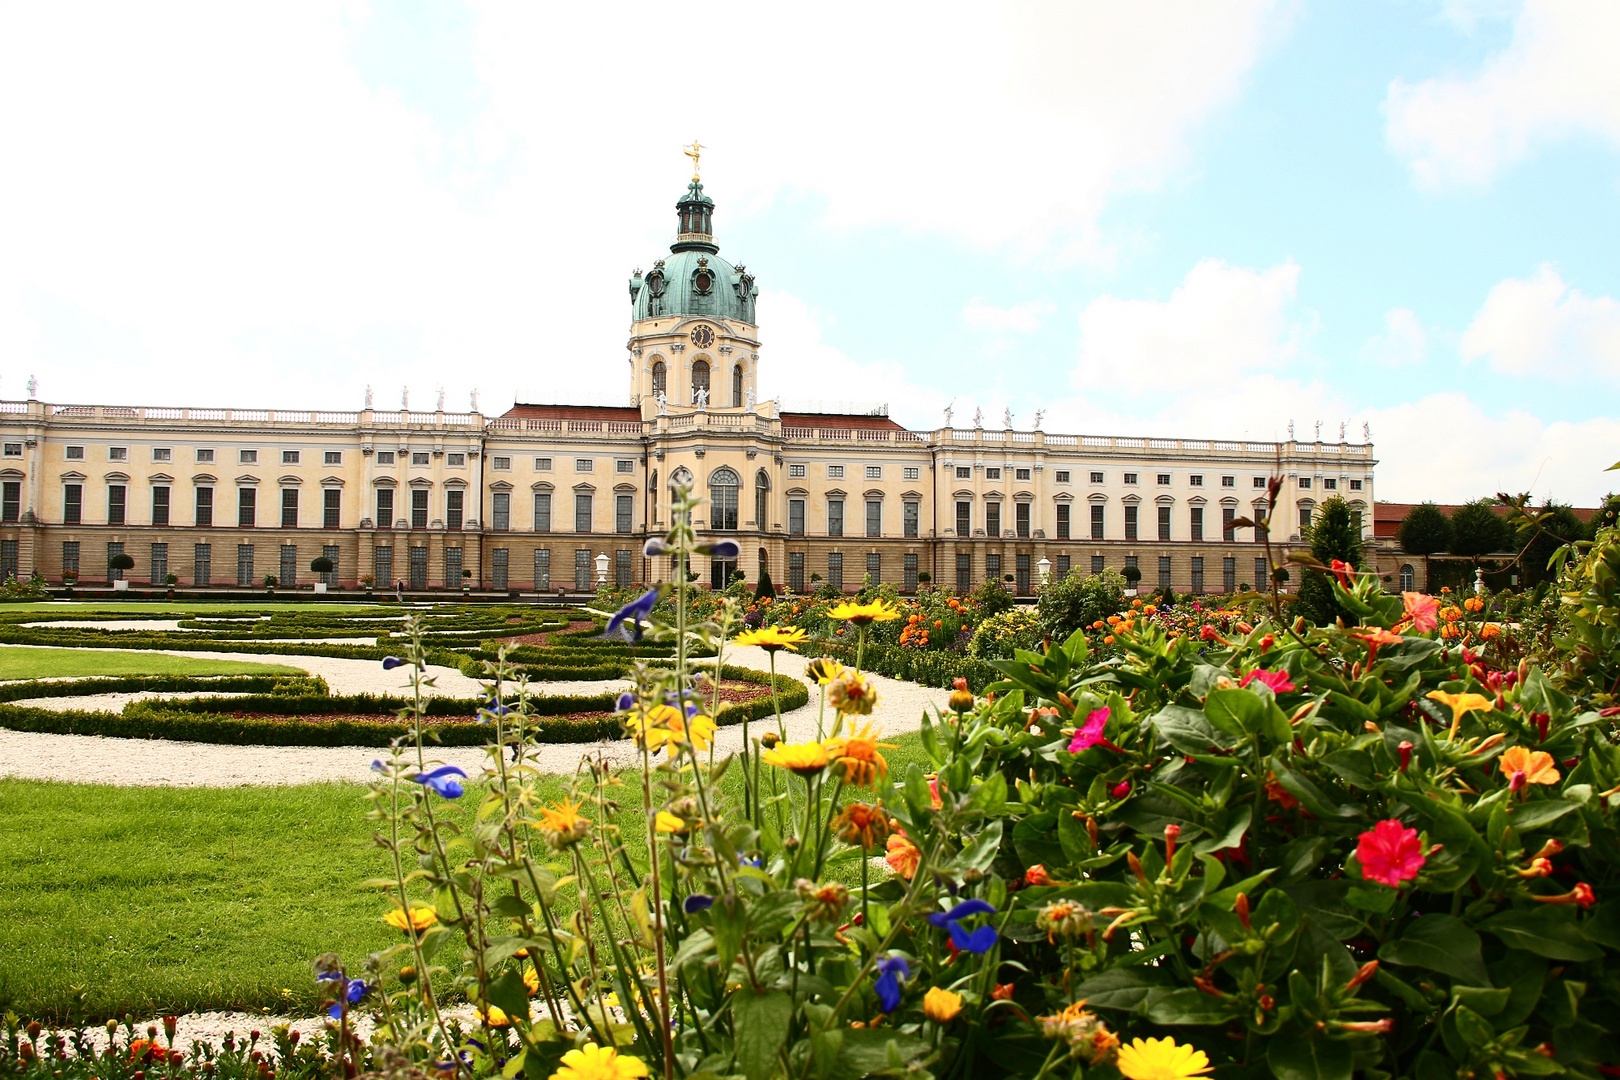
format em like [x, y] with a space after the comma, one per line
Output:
[840, 420]
[521, 411]
[1387, 516]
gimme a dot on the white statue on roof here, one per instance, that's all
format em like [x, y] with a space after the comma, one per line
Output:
[978, 418]
[1006, 419]
[702, 397]
[948, 411]
[1039, 414]
[368, 395]
[749, 399]
[663, 403]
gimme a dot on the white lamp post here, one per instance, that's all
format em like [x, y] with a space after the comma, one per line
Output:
[1044, 568]
[601, 568]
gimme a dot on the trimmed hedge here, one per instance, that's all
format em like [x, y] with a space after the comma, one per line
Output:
[245, 684]
[926, 667]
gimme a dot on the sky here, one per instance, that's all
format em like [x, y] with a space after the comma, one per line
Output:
[1173, 218]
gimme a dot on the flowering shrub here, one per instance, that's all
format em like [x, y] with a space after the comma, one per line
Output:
[1000, 634]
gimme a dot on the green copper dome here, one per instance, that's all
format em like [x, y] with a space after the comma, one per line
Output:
[693, 279]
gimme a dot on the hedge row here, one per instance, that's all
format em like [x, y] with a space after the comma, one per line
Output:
[926, 667]
[305, 685]
[192, 642]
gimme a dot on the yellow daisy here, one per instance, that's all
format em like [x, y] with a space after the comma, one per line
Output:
[806, 759]
[1161, 1059]
[857, 757]
[772, 638]
[420, 918]
[592, 1062]
[863, 614]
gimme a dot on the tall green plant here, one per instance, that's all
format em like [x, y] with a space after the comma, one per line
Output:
[1423, 531]
[1334, 536]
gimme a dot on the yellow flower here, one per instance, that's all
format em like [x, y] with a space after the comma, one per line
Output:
[1536, 765]
[806, 759]
[863, 614]
[1461, 704]
[824, 669]
[667, 822]
[772, 638]
[941, 1006]
[1161, 1059]
[494, 1017]
[592, 1062]
[664, 725]
[852, 695]
[858, 759]
[420, 918]
[531, 981]
[1087, 1036]
[564, 823]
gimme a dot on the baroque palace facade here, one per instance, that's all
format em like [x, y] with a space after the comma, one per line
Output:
[529, 501]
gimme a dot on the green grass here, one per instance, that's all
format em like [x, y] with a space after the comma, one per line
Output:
[22, 662]
[148, 900]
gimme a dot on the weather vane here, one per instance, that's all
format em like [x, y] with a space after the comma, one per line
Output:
[693, 152]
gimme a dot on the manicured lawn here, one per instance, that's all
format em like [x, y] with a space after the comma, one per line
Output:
[22, 662]
[164, 609]
[154, 900]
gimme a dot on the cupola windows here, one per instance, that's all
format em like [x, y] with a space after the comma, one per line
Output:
[700, 382]
[737, 387]
[660, 377]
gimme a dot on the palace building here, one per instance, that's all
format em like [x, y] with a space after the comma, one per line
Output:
[530, 500]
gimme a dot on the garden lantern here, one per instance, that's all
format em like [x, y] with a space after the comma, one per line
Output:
[1044, 568]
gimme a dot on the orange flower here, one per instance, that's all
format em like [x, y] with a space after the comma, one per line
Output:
[903, 856]
[1423, 610]
[1460, 704]
[863, 824]
[857, 757]
[1535, 766]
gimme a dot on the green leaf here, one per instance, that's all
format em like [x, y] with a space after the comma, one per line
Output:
[979, 854]
[761, 1025]
[867, 1051]
[1314, 798]
[1188, 731]
[1475, 1030]
[1121, 988]
[1534, 815]
[1189, 1006]
[1293, 1055]
[1368, 899]
[1543, 931]
[1232, 837]
[1073, 836]
[1354, 767]
[508, 994]
[1440, 943]
[1236, 712]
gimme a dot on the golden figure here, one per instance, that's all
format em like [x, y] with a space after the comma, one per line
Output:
[692, 152]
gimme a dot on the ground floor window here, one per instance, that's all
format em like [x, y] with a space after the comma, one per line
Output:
[244, 564]
[289, 565]
[1408, 578]
[1260, 570]
[992, 568]
[70, 556]
[1164, 571]
[621, 569]
[160, 563]
[1229, 574]
[1198, 574]
[202, 564]
[874, 567]
[114, 547]
[964, 573]
[419, 567]
[1061, 567]
[1021, 568]
[8, 559]
[498, 568]
[331, 552]
[796, 571]
[452, 567]
[835, 570]
[911, 573]
[382, 563]
[720, 572]
[542, 568]
[1097, 564]
[582, 568]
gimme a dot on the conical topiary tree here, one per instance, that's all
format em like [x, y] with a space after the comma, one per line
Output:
[766, 589]
[1334, 534]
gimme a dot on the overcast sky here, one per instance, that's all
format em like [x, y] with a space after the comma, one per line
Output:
[1162, 218]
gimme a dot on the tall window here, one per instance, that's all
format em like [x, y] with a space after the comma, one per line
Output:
[452, 567]
[501, 512]
[621, 568]
[1097, 521]
[1229, 574]
[332, 508]
[736, 387]
[1260, 570]
[455, 501]
[11, 501]
[1408, 578]
[382, 563]
[499, 563]
[1198, 573]
[1097, 564]
[1227, 516]
[202, 564]
[992, 568]
[72, 504]
[796, 571]
[964, 572]
[624, 509]
[660, 376]
[874, 517]
[1021, 519]
[289, 508]
[246, 501]
[911, 572]
[1164, 523]
[1021, 568]
[874, 566]
[762, 500]
[419, 509]
[582, 512]
[910, 512]
[70, 556]
[835, 570]
[964, 518]
[115, 503]
[1130, 520]
[1197, 525]
[542, 511]
[700, 380]
[992, 519]
[582, 569]
[1164, 571]
[385, 508]
[1304, 518]
[723, 485]
[1060, 568]
[244, 565]
[795, 517]
[419, 567]
[835, 517]
[160, 563]
[289, 565]
[331, 551]
[1063, 521]
[542, 568]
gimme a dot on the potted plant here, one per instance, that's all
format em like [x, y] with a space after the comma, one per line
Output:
[924, 579]
[320, 565]
[368, 581]
[118, 564]
[70, 578]
[466, 583]
[1132, 575]
[171, 580]
[270, 584]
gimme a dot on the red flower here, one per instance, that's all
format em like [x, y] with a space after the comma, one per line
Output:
[1002, 992]
[1037, 875]
[1342, 571]
[1390, 853]
[1277, 680]
[1121, 789]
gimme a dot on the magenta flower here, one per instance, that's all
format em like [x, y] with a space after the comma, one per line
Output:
[1390, 853]
[1277, 680]
[1092, 733]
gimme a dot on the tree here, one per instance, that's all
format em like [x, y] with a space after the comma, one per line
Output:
[766, 589]
[1423, 531]
[1131, 574]
[321, 564]
[1075, 600]
[1559, 526]
[1334, 535]
[1477, 529]
[121, 561]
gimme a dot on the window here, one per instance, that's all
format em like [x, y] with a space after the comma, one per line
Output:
[1197, 529]
[8, 559]
[795, 517]
[1062, 476]
[330, 577]
[1260, 570]
[1329, 484]
[542, 568]
[910, 511]
[205, 505]
[1130, 478]
[115, 503]
[874, 566]
[202, 564]
[1164, 571]
[289, 508]
[452, 567]
[1195, 480]
[500, 464]
[1228, 481]
[1229, 574]
[456, 461]
[1021, 520]
[499, 563]
[1305, 483]
[385, 457]
[584, 464]
[874, 472]
[160, 506]
[1408, 578]
[625, 465]
[331, 508]
[992, 519]
[72, 504]
[70, 556]
[382, 565]
[1197, 573]
[964, 472]
[542, 512]
[621, 568]
[964, 518]
[332, 457]
[288, 575]
[1096, 478]
[964, 572]
[76, 453]
[1304, 518]
[1021, 474]
[1130, 521]
[1164, 523]
[1061, 567]
[796, 571]
[700, 382]
[247, 457]
[582, 512]
[724, 486]
[1021, 572]
[911, 472]
[1259, 482]
[737, 387]
[1227, 514]
[117, 453]
[159, 453]
[660, 376]
[455, 501]
[835, 517]
[385, 508]
[14, 449]
[1063, 521]
[1355, 485]
[762, 499]
[1097, 521]
[992, 568]
[11, 501]
[835, 570]
[244, 565]
[874, 517]
[624, 508]
[420, 457]
[290, 457]
[910, 571]
[1164, 479]
[542, 464]
[1097, 564]
[419, 508]
[419, 567]
[835, 472]
[501, 511]
[795, 470]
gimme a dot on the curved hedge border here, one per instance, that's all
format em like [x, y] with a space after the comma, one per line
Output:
[926, 667]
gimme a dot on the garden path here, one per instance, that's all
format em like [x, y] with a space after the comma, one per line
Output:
[95, 759]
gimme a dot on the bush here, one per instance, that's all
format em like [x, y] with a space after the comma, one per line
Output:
[1335, 536]
[321, 564]
[992, 598]
[1076, 600]
[999, 635]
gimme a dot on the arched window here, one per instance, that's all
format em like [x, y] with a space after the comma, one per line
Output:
[1408, 578]
[700, 381]
[762, 496]
[659, 376]
[723, 485]
[736, 387]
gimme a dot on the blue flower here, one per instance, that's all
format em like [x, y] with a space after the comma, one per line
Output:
[978, 941]
[697, 902]
[439, 780]
[328, 976]
[627, 701]
[377, 766]
[633, 613]
[655, 547]
[357, 991]
[720, 549]
[754, 862]
[392, 662]
[892, 970]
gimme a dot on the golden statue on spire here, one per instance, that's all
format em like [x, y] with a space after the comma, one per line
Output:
[692, 152]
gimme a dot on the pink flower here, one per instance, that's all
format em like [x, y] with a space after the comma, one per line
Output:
[1092, 733]
[1423, 610]
[1390, 853]
[1121, 789]
[1277, 680]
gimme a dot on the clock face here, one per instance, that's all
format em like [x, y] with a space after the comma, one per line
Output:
[703, 336]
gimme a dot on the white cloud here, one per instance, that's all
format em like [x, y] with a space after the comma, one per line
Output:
[1557, 77]
[1023, 318]
[1404, 341]
[1540, 326]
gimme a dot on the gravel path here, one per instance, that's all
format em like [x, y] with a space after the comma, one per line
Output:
[95, 759]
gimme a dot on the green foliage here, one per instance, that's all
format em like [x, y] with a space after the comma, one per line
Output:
[999, 635]
[1077, 601]
[1424, 530]
[765, 590]
[47, 663]
[1589, 641]
[992, 598]
[1556, 529]
[121, 561]
[1477, 529]
[320, 564]
[1335, 534]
